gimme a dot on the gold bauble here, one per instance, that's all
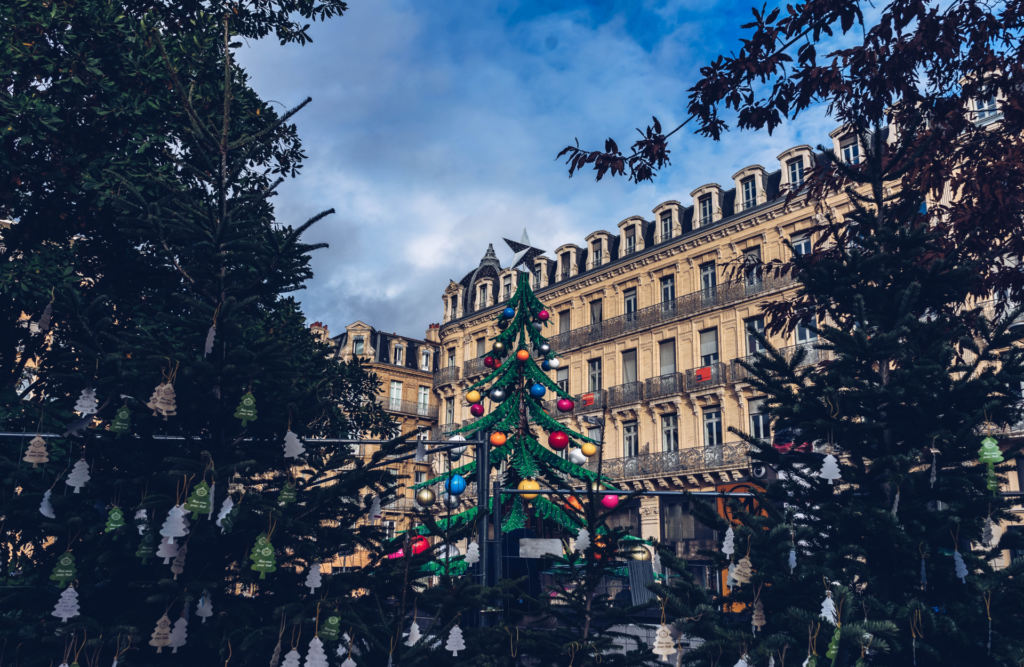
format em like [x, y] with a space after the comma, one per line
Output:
[528, 485]
[588, 449]
[425, 497]
[638, 552]
[473, 396]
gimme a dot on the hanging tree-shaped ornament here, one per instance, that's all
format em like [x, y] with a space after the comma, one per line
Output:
[288, 494]
[375, 509]
[200, 501]
[36, 452]
[331, 629]
[792, 551]
[147, 546]
[204, 608]
[142, 521]
[473, 554]
[582, 540]
[455, 641]
[246, 410]
[663, 644]
[67, 605]
[896, 502]
[292, 659]
[830, 469]
[178, 564]
[292, 446]
[46, 507]
[115, 520]
[758, 620]
[79, 475]
[262, 556]
[828, 609]
[122, 422]
[961, 566]
[174, 526]
[316, 657]
[313, 578]
[990, 455]
[64, 571]
[161, 636]
[211, 334]
[223, 516]
[988, 532]
[179, 633]
[87, 403]
[729, 543]
[167, 550]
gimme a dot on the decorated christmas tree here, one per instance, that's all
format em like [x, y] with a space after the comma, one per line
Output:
[520, 355]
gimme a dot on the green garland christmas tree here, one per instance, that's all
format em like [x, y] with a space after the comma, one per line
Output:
[515, 389]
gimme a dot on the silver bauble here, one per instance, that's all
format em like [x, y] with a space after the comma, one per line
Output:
[458, 451]
[454, 455]
[544, 348]
[554, 363]
[497, 395]
[576, 456]
[537, 325]
[451, 502]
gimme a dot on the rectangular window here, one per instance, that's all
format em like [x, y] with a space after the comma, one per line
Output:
[712, 428]
[564, 321]
[708, 347]
[508, 288]
[481, 300]
[566, 261]
[357, 345]
[985, 107]
[425, 361]
[803, 331]
[752, 266]
[562, 378]
[796, 172]
[399, 355]
[598, 254]
[420, 477]
[704, 203]
[594, 433]
[389, 529]
[449, 410]
[451, 357]
[629, 303]
[754, 324]
[630, 241]
[667, 355]
[708, 279]
[666, 226]
[749, 192]
[801, 244]
[669, 433]
[594, 374]
[395, 395]
[595, 311]
[668, 290]
[423, 400]
[851, 152]
[758, 421]
[481, 347]
[629, 439]
[629, 366]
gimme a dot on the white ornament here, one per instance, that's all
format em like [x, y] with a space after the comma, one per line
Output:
[167, 550]
[663, 644]
[554, 363]
[87, 402]
[742, 662]
[67, 605]
[582, 540]
[455, 641]
[792, 560]
[961, 567]
[178, 565]
[987, 535]
[316, 656]
[79, 475]
[225, 509]
[291, 659]
[210, 335]
[730, 581]
[313, 578]
[414, 634]
[656, 563]
[46, 507]
[178, 633]
[830, 469]
[895, 503]
[292, 446]
[729, 544]
[175, 525]
[935, 467]
[375, 509]
[473, 554]
[142, 521]
[213, 500]
[577, 456]
[349, 662]
[204, 608]
[828, 609]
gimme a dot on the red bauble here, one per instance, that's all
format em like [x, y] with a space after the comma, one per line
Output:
[558, 440]
[476, 410]
[565, 405]
[489, 362]
[543, 316]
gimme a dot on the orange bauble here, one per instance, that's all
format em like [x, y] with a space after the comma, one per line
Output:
[528, 485]
[522, 355]
[574, 503]
[588, 449]
[498, 439]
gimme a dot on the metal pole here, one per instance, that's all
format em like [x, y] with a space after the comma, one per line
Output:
[496, 520]
[483, 468]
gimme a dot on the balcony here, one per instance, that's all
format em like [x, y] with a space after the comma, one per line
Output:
[425, 410]
[473, 367]
[663, 238]
[812, 355]
[445, 376]
[714, 374]
[627, 250]
[441, 431]
[564, 275]
[625, 394]
[682, 307]
[671, 384]
[591, 401]
[685, 461]
[740, 374]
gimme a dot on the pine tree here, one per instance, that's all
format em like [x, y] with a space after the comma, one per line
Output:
[912, 363]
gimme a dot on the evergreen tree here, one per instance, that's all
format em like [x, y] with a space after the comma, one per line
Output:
[913, 370]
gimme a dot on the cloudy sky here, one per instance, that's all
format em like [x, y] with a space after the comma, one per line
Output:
[434, 128]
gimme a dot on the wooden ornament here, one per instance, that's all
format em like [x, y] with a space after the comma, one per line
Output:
[161, 637]
[743, 571]
[36, 452]
[759, 621]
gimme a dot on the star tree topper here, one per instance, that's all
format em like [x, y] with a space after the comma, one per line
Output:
[524, 251]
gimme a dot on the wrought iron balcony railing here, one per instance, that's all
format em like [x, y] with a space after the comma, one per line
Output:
[426, 410]
[671, 384]
[663, 238]
[591, 401]
[474, 367]
[683, 461]
[625, 394]
[595, 261]
[628, 250]
[668, 311]
[811, 354]
[713, 375]
[445, 376]
[564, 275]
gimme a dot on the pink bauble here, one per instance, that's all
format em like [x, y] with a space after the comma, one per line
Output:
[558, 440]
[476, 409]
[543, 316]
[565, 405]
[609, 501]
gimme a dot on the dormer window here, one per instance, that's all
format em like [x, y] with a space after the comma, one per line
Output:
[357, 345]
[705, 210]
[399, 355]
[796, 172]
[507, 291]
[851, 152]
[666, 226]
[425, 361]
[749, 193]
[565, 265]
[631, 241]
[985, 107]
[598, 254]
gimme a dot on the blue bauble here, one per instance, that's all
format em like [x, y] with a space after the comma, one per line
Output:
[508, 313]
[538, 390]
[455, 485]
[545, 365]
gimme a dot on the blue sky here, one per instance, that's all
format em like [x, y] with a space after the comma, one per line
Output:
[434, 127]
